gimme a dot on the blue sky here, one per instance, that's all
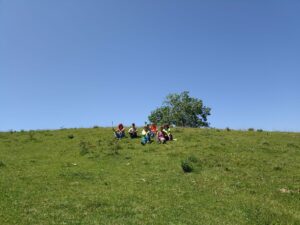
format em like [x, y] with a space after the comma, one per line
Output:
[75, 63]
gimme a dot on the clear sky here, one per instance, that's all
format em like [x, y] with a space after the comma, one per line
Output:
[80, 63]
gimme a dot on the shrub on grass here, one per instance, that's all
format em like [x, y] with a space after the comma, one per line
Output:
[2, 164]
[227, 129]
[70, 136]
[95, 127]
[260, 130]
[187, 166]
[277, 168]
[251, 129]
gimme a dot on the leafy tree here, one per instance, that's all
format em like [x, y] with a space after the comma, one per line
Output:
[181, 110]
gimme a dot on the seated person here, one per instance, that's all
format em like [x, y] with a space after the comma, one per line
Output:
[133, 131]
[145, 136]
[161, 136]
[153, 130]
[120, 131]
[167, 130]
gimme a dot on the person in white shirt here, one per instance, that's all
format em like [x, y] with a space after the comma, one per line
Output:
[145, 136]
[133, 131]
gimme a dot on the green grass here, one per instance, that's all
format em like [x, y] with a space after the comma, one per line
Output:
[84, 176]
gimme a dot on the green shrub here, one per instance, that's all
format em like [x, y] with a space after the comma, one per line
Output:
[2, 164]
[251, 129]
[260, 130]
[187, 166]
[70, 136]
[277, 168]
[227, 129]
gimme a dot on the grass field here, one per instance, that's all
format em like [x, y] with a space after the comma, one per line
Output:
[84, 176]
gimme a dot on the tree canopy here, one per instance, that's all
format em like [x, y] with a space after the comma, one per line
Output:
[181, 110]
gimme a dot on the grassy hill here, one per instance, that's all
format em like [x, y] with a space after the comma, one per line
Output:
[84, 176]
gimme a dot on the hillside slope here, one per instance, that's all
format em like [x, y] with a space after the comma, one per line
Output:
[84, 176]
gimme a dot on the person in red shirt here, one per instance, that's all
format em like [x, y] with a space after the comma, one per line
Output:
[153, 130]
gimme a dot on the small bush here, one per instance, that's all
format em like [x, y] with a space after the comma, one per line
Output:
[260, 130]
[2, 164]
[95, 127]
[277, 168]
[187, 166]
[70, 136]
[227, 129]
[251, 129]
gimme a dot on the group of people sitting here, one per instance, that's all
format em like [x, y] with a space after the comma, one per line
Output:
[149, 132]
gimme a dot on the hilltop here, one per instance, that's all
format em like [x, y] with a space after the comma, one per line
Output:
[84, 176]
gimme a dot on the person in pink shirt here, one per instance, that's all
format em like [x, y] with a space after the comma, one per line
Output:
[161, 136]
